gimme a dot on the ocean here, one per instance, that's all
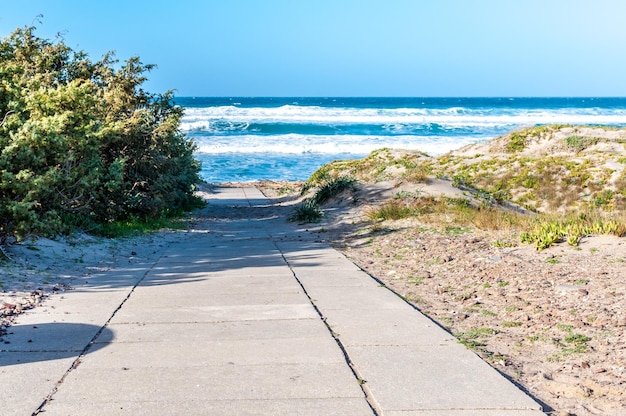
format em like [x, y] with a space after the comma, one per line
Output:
[287, 139]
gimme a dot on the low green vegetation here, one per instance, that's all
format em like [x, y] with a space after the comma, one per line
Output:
[83, 145]
[546, 231]
[331, 188]
[139, 225]
[472, 339]
[309, 210]
[454, 215]
[380, 165]
[572, 343]
[580, 143]
[516, 143]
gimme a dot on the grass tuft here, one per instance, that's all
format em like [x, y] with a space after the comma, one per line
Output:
[307, 212]
[332, 188]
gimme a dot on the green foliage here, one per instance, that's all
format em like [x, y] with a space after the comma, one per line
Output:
[136, 225]
[327, 187]
[603, 198]
[308, 211]
[516, 143]
[82, 144]
[546, 232]
[393, 210]
[332, 188]
[471, 338]
[574, 344]
[380, 165]
[580, 143]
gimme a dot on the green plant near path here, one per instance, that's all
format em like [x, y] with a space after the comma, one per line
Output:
[82, 143]
[546, 231]
[516, 143]
[574, 343]
[333, 187]
[307, 212]
[471, 339]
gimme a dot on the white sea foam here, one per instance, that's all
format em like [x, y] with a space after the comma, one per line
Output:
[224, 118]
[296, 144]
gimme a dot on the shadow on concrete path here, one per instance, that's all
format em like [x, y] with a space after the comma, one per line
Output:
[50, 341]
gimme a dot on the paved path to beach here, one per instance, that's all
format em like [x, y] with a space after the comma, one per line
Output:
[245, 315]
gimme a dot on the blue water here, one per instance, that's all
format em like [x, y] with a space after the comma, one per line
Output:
[251, 139]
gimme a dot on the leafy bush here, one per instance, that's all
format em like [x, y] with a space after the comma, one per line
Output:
[81, 143]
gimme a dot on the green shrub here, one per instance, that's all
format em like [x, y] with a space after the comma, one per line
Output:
[308, 211]
[516, 143]
[332, 188]
[82, 143]
[580, 143]
[392, 210]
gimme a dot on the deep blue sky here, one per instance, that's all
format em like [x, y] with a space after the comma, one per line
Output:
[350, 47]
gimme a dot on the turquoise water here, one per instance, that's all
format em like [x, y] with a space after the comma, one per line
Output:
[251, 139]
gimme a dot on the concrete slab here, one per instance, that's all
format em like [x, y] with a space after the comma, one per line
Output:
[227, 262]
[464, 412]
[206, 406]
[77, 306]
[181, 285]
[390, 327]
[191, 313]
[53, 337]
[177, 299]
[225, 331]
[355, 298]
[226, 382]
[27, 378]
[341, 280]
[203, 353]
[442, 378]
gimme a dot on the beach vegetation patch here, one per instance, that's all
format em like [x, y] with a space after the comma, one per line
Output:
[328, 187]
[82, 143]
[472, 338]
[307, 212]
[392, 210]
[380, 165]
[546, 231]
[332, 188]
[580, 143]
[516, 143]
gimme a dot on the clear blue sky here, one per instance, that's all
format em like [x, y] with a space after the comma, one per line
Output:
[350, 47]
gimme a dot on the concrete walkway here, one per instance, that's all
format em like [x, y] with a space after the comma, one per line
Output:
[243, 316]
